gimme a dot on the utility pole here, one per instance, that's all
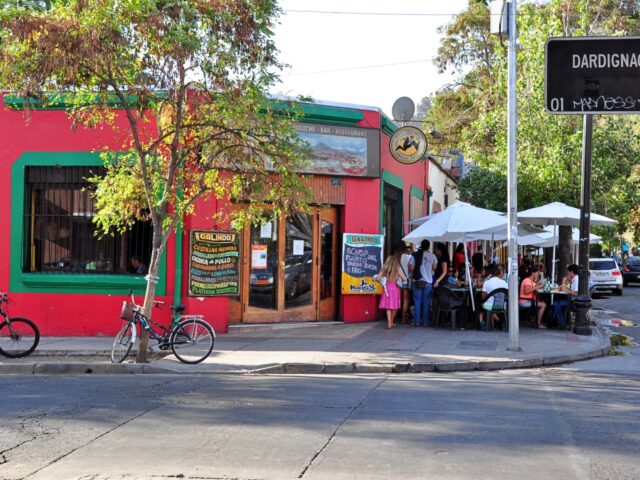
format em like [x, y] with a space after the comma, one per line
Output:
[512, 186]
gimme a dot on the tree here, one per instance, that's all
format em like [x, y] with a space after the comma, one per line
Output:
[202, 68]
[473, 111]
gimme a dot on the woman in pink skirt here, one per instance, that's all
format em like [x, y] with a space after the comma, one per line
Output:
[391, 297]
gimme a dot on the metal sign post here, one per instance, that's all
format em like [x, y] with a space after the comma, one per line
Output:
[589, 75]
[583, 301]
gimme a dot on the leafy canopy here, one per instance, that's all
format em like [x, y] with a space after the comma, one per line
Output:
[472, 112]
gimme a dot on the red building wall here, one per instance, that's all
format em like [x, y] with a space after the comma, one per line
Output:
[66, 314]
[55, 313]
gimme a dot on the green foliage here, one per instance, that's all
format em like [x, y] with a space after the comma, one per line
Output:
[473, 111]
[201, 67]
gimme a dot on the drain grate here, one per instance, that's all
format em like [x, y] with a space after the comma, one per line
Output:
[478, 345]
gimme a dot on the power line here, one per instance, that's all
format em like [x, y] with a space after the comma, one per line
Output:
[383, 14]
[362, 67]
[392, 14]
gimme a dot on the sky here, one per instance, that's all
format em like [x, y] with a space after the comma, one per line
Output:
[362, 59]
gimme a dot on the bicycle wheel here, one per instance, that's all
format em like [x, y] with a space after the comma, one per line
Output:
[18, 337]
[123, 342]
[192, 340]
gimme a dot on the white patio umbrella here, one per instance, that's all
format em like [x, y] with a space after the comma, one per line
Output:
[454, 224]
[558, 213]
[546, 238]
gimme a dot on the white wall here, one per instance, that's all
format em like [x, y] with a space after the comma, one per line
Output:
[441, 184]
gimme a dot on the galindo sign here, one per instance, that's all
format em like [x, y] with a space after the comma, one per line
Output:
[592, 75]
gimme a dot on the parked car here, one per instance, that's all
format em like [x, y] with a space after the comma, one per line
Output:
[631, 271]
[605, 275]
[297, 276]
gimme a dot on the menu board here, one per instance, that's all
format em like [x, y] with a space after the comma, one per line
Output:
[361, 260]
[214, 263]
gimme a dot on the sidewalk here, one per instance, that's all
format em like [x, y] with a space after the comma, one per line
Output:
[330, 347]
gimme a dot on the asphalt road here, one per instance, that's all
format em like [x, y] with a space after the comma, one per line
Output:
[581, 421]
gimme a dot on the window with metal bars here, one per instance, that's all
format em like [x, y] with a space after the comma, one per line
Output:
[59, 229]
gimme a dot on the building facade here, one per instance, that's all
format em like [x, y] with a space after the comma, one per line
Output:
[72, 282]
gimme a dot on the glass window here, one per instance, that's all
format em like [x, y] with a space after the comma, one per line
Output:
[263, 280]
[59, 229]
[298, 260]
[326, 261]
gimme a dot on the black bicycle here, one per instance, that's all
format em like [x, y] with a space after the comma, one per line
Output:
[189, 337]
[18, 336]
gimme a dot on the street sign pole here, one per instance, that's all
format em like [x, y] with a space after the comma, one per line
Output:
[583, 301]
[512, 186]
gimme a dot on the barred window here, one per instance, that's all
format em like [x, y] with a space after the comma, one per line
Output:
[59, 231]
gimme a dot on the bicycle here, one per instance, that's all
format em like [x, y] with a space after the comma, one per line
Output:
[189, 337]
[18, 336]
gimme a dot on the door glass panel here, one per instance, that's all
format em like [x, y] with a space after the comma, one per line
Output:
[326, 260]
[263, 280]
[298, 260]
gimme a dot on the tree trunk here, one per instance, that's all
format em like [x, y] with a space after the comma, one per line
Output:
[142, 353]
[565, 252]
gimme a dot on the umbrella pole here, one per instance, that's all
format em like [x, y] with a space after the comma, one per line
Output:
[553, 261]
[468, 273]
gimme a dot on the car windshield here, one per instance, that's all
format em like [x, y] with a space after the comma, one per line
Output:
[606, 265]
[635, 261]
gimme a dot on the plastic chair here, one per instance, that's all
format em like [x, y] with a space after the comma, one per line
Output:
[500, 301]
[530, 313]
[449, 302]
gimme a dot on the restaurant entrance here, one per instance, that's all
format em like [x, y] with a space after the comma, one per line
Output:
[289, 269]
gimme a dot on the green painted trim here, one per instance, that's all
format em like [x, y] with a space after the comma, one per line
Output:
[20, 281]
[387, 126]
[309, 112]
[315, 113]
[62, 101]
[395, 181]
[417, 192]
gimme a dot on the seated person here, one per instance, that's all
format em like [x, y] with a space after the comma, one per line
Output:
[528, 294]
[494, 282]
[138, 266]
[570, 285]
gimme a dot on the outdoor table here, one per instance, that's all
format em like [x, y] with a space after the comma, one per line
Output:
[553, 295]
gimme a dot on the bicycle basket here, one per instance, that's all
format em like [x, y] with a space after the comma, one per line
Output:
[127, 311]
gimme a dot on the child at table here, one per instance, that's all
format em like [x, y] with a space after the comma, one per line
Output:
[528, 294]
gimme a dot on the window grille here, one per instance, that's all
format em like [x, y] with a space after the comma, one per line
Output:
[59, 229]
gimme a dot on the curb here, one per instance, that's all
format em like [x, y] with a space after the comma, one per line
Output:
[300, 368]
[80, 368]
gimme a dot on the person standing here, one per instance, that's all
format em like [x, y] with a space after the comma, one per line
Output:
[421, 267]
[407, 251]
[388, 276]
[442, 266]
[458, 259]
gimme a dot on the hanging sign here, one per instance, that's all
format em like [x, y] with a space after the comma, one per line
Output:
[213, 263]
[408, 145]
[361, 260]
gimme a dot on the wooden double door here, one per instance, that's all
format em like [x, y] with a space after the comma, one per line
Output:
[289, 269]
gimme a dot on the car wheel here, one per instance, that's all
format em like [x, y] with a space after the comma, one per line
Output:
[618, 291]
[625, 283]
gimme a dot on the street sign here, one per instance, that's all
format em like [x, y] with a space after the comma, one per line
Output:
[592, 75]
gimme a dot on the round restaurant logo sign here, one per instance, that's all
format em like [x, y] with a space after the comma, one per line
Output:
[408, 145]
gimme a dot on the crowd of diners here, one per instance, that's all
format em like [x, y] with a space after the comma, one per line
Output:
[410, 278]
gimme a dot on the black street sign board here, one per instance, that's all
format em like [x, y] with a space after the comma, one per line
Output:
[592, 75]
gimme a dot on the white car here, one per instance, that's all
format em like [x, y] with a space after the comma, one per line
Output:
[605, 275]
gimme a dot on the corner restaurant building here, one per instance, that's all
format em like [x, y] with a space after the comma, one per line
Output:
[72, 283]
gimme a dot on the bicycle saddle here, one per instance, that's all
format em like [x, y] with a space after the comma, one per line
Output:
[178, 308]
